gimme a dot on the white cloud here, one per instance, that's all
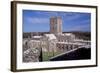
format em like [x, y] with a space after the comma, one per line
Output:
[36, 20]
[81, 28]
[73, 16]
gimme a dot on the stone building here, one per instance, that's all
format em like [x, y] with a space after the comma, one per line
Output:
[50, 41]
[66, 37]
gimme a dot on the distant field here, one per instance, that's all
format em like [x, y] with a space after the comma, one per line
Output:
[78, 34]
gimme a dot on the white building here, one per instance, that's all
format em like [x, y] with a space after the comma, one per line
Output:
[66, 37]
[50, 41]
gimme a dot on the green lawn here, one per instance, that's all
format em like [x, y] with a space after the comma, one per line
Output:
[47, 55]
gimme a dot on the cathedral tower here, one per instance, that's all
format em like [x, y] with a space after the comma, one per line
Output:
[56, 25]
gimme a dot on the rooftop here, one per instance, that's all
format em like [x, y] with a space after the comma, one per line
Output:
[51, 36]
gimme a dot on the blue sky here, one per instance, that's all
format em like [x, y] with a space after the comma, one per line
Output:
[39, 21]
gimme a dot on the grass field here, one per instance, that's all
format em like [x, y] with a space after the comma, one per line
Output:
[47, 55]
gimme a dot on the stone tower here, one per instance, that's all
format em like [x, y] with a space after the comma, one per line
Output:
[56, 25]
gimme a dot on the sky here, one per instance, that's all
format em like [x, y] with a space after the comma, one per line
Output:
[39, 21]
